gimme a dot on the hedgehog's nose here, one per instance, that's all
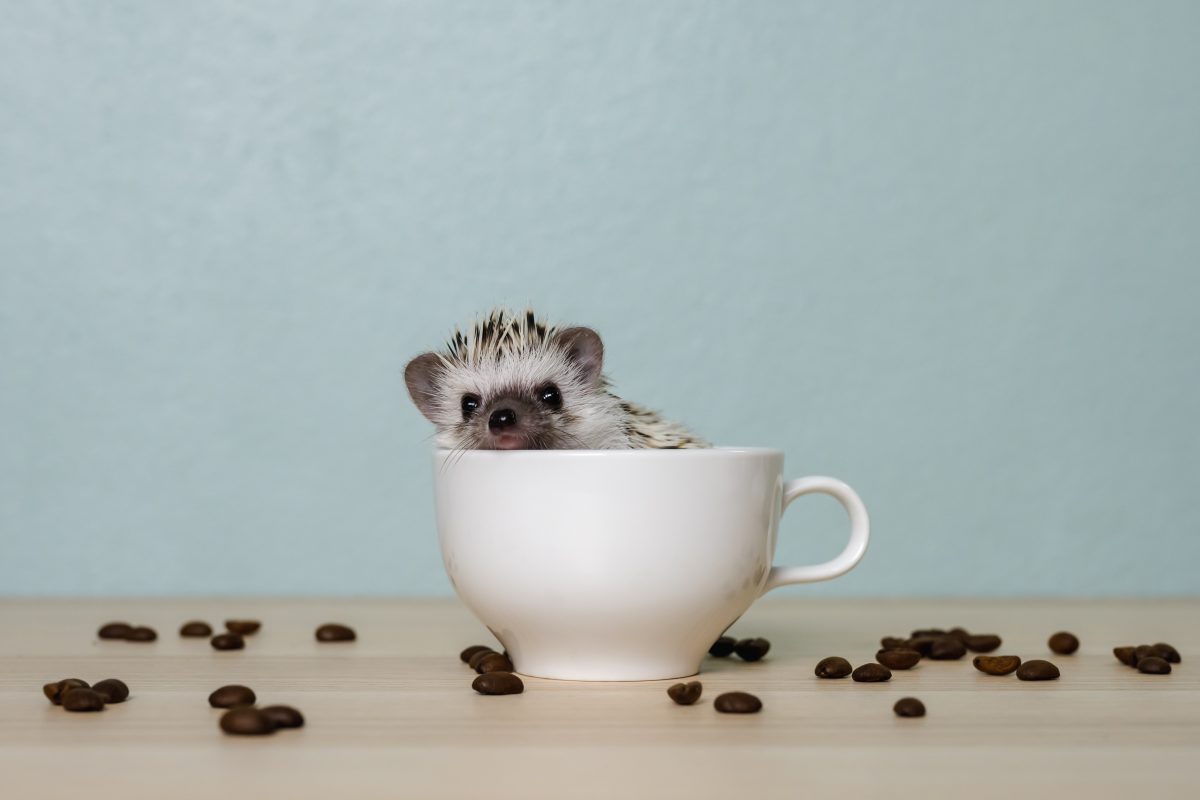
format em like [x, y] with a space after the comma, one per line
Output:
[501, 419]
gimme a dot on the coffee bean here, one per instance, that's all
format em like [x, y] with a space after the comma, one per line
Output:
[111, 690]
[922, 644]
[232, 696]
[1151, 665]
[493, 662]
[722, 647]
[737, 703]
[935, 632]
[1124, 655]
[498, 683]
[54, 691]
[947, 649]
[195, 629]
[114, 630]
[228, 641]
[909, 707]
[751, 649]
[283, 716]
[892, 643]
[141, 634]
[1144, 651]
[473, 661]
[1167, 653]
[997, 665]
[79, 699]
[246, 721]
[1037, 670]
[871, 673]
[1064, 643]
[685, 693]
[333, 632]
[245, 627]
[959, 633]
[832, 667]
[465, 655]
[982, 642]
[898, 659]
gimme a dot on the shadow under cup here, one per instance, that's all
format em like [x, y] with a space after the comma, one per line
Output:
[618, 565]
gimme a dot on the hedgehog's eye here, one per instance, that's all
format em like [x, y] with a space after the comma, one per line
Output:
[549, 396]
[470, 404]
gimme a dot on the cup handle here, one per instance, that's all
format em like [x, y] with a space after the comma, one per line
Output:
[860, 533]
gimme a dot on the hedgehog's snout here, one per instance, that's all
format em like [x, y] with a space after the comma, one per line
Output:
[501, 419]
[511, 424]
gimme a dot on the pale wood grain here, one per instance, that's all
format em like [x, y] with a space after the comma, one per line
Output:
[392, 715]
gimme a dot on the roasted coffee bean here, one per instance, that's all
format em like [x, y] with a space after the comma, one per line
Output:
[1144, 651]
[474, 660]
[79, 699]
[751, 649]
[111, 690]
[1161, 650]
[833, 667]
[228, 641]
[922, 644]
[935, 632]
[997, 665]
[1151, 665]
[195, 629]
[1167, 653]
[283, 716]
[909, 707]
[246, 721]
[898, 659]
[982, 642]
[333, 632]
[737, 703]
[892, 643]
[685, 693]
[114, 630]
[1125, 655]
[722, 647]
[1063, 643]
[947, 648]
[245, 627]
[871, 673]
[498, 683]
[141, 634]
[465, 655]
[1037, 670]
[493, 662]
[54, 691]
[232, 696]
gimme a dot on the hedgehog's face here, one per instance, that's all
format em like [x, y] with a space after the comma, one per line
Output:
[530, 398]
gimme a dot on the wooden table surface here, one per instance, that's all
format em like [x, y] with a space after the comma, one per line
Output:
[393, 715]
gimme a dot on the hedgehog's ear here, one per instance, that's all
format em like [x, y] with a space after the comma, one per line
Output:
[585, 349]
[422, 375]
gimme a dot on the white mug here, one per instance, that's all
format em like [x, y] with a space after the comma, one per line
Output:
[620, 565]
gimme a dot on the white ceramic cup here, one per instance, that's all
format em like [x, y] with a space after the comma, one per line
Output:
[620, 565]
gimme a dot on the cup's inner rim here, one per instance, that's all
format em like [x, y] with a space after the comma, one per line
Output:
[707, 452]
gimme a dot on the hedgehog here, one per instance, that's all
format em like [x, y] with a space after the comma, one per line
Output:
[515, 383]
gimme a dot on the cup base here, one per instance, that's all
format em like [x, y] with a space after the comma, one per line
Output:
[612, 674]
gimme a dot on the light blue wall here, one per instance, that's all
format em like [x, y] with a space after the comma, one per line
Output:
[945, 251]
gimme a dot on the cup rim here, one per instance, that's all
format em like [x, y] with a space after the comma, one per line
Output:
[646, 453]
